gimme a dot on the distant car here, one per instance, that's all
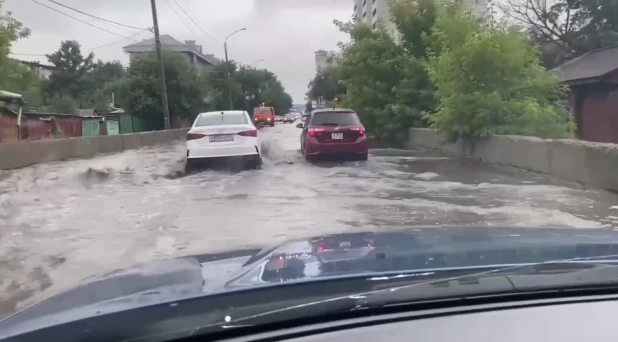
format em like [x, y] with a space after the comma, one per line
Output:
[223, 134]
[333, 131]
[289, 118]
[264, 116]
[278, 118]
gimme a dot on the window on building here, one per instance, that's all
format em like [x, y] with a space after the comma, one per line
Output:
[364, 3]
[364, 15]
[375, 10]
[374, 25]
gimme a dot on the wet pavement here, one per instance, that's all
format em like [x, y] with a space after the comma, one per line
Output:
[61, 222]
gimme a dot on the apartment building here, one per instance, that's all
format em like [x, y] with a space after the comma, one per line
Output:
[371, 11]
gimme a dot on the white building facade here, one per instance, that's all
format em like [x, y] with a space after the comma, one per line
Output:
[372, 11]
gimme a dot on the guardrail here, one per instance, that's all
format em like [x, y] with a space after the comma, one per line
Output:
[25, 153]
[587, 163]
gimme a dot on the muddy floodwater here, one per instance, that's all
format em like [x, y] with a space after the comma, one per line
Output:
[61, 222]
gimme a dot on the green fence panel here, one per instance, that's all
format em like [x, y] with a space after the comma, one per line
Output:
[139, 125]
[113, 127]
[126, 124]
[90, 128]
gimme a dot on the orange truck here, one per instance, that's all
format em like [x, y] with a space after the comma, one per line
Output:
[264, 115]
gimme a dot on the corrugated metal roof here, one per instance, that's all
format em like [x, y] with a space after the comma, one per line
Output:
[592, 65]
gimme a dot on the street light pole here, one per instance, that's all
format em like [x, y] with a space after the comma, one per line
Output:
[229, 69]
[166, 109]
[256, 62]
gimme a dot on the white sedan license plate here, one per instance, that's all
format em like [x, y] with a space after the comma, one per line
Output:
[337, 136]
[220, 138]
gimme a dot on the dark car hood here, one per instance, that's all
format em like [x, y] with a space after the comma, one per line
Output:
[312, 259]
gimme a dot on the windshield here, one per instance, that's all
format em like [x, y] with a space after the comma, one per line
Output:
[335, 119]
[221, 119]
[262, 111]
[155, 151]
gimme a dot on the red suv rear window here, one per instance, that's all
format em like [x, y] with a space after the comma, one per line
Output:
[335, 119]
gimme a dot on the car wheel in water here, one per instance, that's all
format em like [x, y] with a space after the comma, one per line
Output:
[363, 156]
[188, 166]
[272, 124]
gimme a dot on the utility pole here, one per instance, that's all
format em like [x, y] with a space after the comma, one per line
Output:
[166, 109]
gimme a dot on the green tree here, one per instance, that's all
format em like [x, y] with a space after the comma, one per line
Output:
[16, 77]
[62, 104]
[489, 81]
[216, 81]
[20, 79]
[185, 92]
[105, 72]
[325, 86]
[250, 88]
[385, 84]
[565, 29]
[96, 82]
[71, 68]
[308, 106]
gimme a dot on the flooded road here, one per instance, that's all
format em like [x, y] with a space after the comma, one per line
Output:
[61, 222]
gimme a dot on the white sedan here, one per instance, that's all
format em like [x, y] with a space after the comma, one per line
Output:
[223, 134]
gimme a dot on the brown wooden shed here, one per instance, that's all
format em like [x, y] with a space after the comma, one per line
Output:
[593, 102]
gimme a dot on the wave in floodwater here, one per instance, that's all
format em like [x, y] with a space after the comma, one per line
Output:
[94, 215]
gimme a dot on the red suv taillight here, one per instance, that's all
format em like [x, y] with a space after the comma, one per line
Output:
[249, 133]
[193, 136]
[314, 131]
[360, 130]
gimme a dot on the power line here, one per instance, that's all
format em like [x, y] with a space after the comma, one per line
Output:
[85, 22]
[94, 16]
[27, 54]
[115, 42]
[179, 17]
[87, 50]
[196, 24]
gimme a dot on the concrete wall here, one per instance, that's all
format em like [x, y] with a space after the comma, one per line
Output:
[587, 163]
[20, 154]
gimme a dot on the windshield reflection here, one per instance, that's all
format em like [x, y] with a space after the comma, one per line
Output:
[422, 249]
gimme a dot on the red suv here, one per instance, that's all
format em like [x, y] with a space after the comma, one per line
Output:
[333, 131]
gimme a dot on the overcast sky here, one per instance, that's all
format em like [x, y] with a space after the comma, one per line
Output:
[285, 33]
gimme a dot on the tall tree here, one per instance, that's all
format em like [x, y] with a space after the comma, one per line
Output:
[71, 68]
[384, 82]
[186, 93]
[250, 88]
[566, 29]
[488, 81]
[96, 82]
[15, 76]
[326, 85]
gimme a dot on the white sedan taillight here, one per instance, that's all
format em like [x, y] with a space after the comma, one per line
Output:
[193, 136]
[248, 133]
